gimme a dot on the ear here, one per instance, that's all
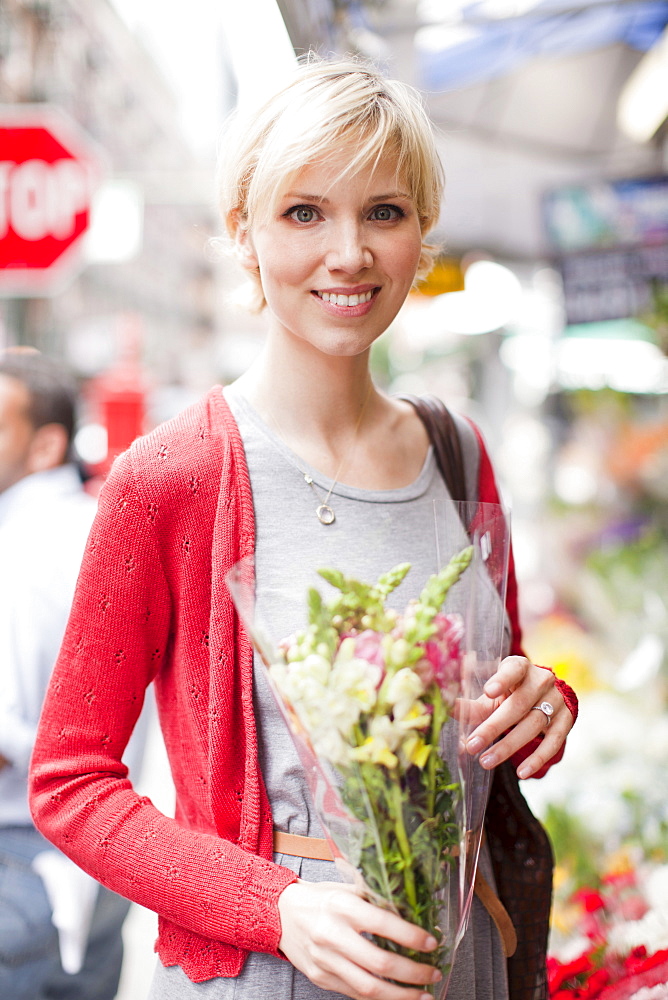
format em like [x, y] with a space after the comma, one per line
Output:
[243, 243]
[48, 448]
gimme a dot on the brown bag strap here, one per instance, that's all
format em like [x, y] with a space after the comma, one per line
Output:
[497, 912]
[440, 426]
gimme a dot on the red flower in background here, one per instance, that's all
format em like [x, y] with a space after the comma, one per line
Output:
[559, 973]
[599, 973]
[591, 901]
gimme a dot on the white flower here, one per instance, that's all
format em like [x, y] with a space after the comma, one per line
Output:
[656, 889]
[658, 992]
[337, 709]
[328, 743]
[401, 690]
[651, 932]
[356, 679]
[384, 730]
[329, 699]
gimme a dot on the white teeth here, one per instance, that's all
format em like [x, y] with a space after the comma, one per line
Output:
[346, 300]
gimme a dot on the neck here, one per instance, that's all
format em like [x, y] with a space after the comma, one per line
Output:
[308, 394]
[326, 409]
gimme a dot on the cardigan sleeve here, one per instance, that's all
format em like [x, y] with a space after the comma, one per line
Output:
[81, 797]
[488, 493]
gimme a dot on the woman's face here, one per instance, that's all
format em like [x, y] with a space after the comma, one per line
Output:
[338, 256]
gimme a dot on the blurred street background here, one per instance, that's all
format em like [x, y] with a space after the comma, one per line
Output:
[545, 319]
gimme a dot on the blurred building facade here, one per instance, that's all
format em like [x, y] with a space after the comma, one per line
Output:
[80, 56]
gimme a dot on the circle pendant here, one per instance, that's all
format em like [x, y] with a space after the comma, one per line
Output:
[325, 514]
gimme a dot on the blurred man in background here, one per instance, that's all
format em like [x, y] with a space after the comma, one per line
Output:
[60, 933]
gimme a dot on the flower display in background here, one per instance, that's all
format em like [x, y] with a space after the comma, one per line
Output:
[612, 778]
[619, 946]
[370, 690]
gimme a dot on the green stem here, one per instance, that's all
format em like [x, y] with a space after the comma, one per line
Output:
[376, 827]
[404, 844]
[437, 721]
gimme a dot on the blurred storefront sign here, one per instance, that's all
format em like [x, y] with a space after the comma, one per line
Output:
[49, 171]
[608, 214]
[611, 240]
[446, 275]
[612, 284]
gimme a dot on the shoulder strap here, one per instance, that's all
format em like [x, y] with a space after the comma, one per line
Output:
[446, 442]
[519, 847]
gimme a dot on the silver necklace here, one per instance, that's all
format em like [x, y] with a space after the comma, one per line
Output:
[324, 511]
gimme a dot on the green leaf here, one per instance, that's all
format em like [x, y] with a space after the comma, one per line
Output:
[390, 581]
[314, 606]
[333, 576]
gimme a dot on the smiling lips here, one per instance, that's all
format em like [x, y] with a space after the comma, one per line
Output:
[338, 299]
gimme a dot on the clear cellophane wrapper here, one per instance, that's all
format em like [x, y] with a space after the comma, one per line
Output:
[380, 705]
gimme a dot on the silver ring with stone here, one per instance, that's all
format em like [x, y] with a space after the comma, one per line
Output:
[546, 709]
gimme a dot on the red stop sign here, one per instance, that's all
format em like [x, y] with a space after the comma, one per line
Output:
[49, 170]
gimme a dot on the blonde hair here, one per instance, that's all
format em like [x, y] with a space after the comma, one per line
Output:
[326, 103]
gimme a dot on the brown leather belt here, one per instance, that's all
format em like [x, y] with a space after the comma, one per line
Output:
[317, 849]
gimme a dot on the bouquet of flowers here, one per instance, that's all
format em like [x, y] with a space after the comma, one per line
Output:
[371, 690]
[379, 702]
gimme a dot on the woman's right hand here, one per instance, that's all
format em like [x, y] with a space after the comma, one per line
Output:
[322, 925]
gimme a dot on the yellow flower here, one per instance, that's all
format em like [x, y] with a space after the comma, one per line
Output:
[376, 751]
[415, 718]
[620, 862]
[415, 750]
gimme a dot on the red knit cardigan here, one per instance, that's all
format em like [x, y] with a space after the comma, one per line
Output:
[175, 515]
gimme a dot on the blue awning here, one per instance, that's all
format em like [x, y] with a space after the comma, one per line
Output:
[481, 48]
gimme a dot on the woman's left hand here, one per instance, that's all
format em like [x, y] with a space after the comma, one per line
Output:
[510, 705]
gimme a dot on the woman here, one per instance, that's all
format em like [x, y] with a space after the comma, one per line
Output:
[328, 193]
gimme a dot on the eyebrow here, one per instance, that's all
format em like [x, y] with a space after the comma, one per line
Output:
[322, 200]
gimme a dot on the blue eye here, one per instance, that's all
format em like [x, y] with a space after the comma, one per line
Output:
[302, 213]
[386, 213]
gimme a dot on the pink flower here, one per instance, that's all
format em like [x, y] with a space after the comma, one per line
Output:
[285, 644]
[368, 646]
[425, 671]
[443, 654]
[621, 879]
[633, 908]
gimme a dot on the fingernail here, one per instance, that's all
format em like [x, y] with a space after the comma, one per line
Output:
[489, 760]
[523, 772]
[430, 943]
[493, 688]
[436, 976]
[474, 745]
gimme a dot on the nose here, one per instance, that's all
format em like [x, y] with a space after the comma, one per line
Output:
[348, 250]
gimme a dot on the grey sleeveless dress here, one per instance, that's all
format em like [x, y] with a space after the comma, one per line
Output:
[373, 532]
